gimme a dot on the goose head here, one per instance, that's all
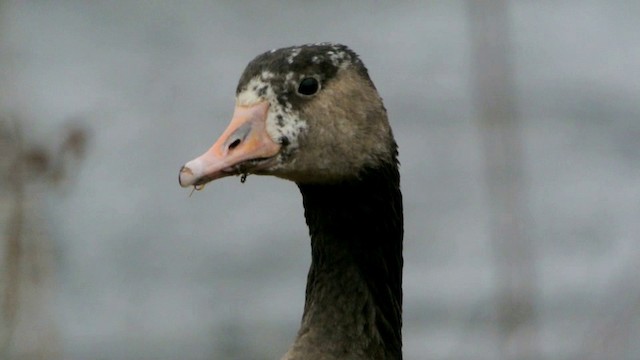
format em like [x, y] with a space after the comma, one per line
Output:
[307, 113]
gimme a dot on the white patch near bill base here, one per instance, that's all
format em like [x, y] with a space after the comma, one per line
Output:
[284, 123]
[251, 94]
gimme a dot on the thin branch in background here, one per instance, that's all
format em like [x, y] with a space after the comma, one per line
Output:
[22, 165]
[494, 90]
[13, 244]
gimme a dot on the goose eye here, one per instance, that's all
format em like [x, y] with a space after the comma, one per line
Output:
[308, 86]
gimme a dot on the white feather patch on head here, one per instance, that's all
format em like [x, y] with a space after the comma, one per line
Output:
[289, 76]
[267, 75]
[292, 56]
[258, 89]
[283, 123]
[338, 57]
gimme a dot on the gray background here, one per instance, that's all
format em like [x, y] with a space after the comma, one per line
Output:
[140, 270]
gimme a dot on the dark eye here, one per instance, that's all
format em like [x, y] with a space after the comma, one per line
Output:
[308, 86]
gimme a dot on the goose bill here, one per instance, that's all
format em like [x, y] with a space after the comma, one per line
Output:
[244, 147]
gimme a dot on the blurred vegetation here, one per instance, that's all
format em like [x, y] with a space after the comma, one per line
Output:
[27, 262]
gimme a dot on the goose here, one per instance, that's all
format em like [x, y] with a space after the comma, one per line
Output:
[311, 114]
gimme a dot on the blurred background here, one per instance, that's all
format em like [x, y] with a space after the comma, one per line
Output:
[519, 131]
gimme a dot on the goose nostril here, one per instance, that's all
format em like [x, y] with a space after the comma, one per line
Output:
[234, 144]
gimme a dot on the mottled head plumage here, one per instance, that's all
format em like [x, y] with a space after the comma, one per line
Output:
[341, 128]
